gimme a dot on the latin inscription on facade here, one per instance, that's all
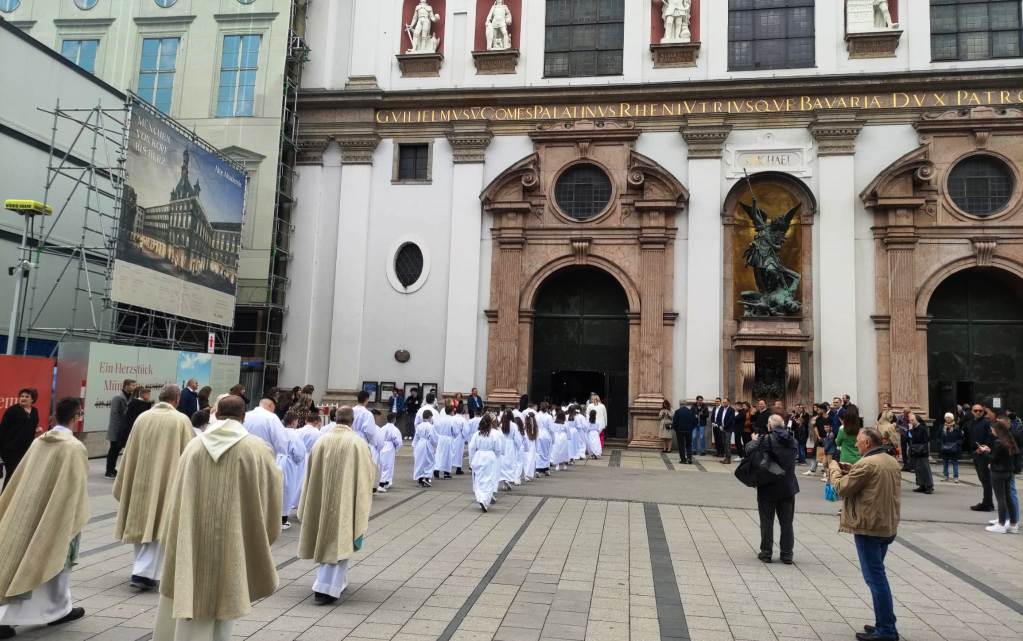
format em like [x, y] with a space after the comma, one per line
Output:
[700, 107]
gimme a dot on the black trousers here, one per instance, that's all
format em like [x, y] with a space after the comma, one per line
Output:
[719, 445]
[980, 463]
[112, 454]
[685, 445]
[11, 461]
[739, 447]
[786, 511]
[726, 443]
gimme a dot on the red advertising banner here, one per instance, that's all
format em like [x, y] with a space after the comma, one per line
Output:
[18, 372]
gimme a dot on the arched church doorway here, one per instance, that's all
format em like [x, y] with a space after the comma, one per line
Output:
[581, 342]
[975, 341]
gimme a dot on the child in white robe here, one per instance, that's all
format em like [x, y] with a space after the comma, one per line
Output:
[529, 449]
[442, 456]
[292, 465]
[392, 443]
[485, 449]
[331, 417]
[560, 454]
[593, 430]
[423, 446]
[459, 429]
[311, 431]
[544, 442]
[573, 434]
[512, 446]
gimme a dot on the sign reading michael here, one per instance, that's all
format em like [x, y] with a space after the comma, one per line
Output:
[180, 225]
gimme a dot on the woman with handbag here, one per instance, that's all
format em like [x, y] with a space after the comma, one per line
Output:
[951, 446]
[664, 424]
[919, 454]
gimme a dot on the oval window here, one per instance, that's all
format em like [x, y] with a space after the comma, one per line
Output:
[408, 264]
[981, 185]
[85, 5]
[165, 3]
[583, 191]
[8, 6]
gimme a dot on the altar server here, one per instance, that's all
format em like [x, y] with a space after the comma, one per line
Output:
[485, 449]
[511, 448]
[311, 431]
[442, 457]
[573, 434]
[331, 424]
[544, 441]
[391, 444]
[593, 431]
[529, 449]
[429, 406]
[292, 467]
[365, 425]
[150, 461]
[459, 438]
[216, 567]
[560, 454]
[423, 446]
[263, 422]
[42, 513]
[582, 428]
[335, 505]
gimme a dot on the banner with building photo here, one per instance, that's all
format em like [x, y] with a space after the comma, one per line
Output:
[180, 226]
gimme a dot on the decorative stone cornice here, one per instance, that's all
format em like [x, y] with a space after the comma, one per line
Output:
[469, 142]
[310, 150]
[984, 248]
[357, 149]
[705, 137]
[836, 134]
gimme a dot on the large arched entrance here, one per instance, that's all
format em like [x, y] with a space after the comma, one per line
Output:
[581, 342]
[975, 340]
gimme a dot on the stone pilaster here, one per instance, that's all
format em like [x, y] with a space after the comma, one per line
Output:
[836, 134]
[358, 148]
[705, 137]
[469, 142]
[310, 150]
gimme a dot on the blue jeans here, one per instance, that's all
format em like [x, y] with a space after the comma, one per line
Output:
[1014, 505]
[872, 550]
[801, 449]
[955, 467]
[699, 440]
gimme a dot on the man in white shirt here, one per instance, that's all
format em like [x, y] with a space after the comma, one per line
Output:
[364, 424]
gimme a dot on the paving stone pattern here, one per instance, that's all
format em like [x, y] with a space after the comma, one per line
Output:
[637, 553]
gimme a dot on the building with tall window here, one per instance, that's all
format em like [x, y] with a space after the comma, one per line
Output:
[228, 70]
[779, 199]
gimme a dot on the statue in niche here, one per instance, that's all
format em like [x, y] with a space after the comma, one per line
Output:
[676, 15]
[499, 27]
[777, 285]
[868, 15]
[420, 30]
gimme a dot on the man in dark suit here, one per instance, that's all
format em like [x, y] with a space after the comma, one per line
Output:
[475, 404]
[978, 430]
[726, 419]
[188, 404]
[684, 422]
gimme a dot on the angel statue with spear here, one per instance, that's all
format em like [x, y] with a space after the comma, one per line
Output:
[776, 284]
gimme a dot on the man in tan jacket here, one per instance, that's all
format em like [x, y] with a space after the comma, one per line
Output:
[870, 491]
[335, 505]
[223, 514]
[147, 469]
[42, 513]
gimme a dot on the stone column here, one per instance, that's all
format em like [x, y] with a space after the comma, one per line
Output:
[705, 138]
[503, 315]
[836, 146]
[653, 242]
[903, 324]
[350, 267]
[469, 143]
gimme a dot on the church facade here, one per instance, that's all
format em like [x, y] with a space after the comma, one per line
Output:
[785, 200]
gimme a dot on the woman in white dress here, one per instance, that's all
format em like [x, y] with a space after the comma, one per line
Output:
[593, 430]
[423, 445]
[529, 448]
[544, 441]
[510, 456]
[389, 450]
[560, 453]
[485, 450]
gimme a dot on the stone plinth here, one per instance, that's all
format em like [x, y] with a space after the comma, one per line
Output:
[493, 63]
[671, 55]
[420, 65]
[873, 44]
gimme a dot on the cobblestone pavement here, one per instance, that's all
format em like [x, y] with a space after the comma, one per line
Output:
[633, 547]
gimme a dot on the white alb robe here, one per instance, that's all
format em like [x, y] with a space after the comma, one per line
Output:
[510, 463]
[484, 453]
[49, 602]
[391, 445]
[544, 441]
[423, 445]
[365, 425]
[265, 424]
[292, 466]
[442, 456]
[560, 453]
[309, 436]
[459, 428]
[528, 458]
[331, 578]
[593, 439]
[148, 560]
[601, 413]
[171, 629]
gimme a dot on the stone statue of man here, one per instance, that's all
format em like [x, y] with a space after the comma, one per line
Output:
[676, 15]
[882, 15]
[420, 30]
[498, 27]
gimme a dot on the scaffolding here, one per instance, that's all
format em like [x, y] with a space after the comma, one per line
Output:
[87, 170]
[263, 311]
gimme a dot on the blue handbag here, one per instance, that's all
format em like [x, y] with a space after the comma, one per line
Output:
[829, 493]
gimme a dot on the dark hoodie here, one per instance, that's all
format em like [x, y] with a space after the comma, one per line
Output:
[783, 446]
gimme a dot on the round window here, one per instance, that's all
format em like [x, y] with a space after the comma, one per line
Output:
[980, 185]
[583, 191]
[408, 264]
[165, 3]
[85, 5]
[8, 6]
[246, 1]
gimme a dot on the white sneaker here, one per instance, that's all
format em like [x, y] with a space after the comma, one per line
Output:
[994, 522]
[809, 473]
[997, 529]
[381, 490]
[1014, 529]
